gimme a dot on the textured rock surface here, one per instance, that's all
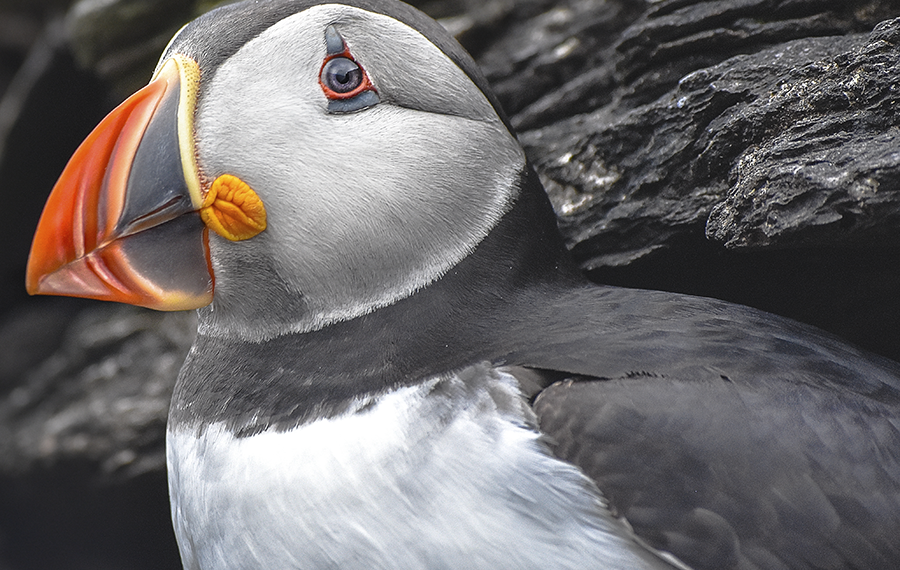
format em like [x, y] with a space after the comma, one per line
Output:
[97, 397]
[791, 146]
[742, 149]
[82, 434]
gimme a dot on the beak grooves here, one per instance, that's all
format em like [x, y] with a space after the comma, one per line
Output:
[121, 224]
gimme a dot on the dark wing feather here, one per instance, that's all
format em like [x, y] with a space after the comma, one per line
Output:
[774, 475]
[729, 437]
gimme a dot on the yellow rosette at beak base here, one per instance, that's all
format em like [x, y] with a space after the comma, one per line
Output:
[232, 209]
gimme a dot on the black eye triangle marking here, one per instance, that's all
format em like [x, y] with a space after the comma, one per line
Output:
[344, 82]
[334, 43]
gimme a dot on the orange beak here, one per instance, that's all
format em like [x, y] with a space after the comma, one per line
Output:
[122, 222]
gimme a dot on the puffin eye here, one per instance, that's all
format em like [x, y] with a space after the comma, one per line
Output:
[341, 75]
[344, 82]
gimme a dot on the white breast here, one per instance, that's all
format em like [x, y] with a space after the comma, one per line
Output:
[447, 474]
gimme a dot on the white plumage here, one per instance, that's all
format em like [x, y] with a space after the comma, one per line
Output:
[447, 474]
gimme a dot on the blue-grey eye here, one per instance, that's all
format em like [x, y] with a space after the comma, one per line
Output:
[341, 75]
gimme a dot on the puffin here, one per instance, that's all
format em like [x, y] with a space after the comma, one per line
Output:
[398, 365]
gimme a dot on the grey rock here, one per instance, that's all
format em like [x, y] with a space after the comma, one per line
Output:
[628, 179]
[101, 395]
[831, 174]
[82, 435]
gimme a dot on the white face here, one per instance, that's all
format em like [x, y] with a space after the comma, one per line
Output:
[363, 208]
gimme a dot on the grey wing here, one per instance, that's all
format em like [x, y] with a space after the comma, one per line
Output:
[766, 475]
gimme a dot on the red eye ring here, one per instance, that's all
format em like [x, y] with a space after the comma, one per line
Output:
[364, 85]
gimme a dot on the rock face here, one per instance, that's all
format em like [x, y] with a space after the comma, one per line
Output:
[741, 149]
[786, 147]
[82, 435]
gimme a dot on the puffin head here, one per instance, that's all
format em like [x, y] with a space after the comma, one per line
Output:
[291, 164]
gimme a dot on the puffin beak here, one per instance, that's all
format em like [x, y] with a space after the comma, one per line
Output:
[123, 223]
